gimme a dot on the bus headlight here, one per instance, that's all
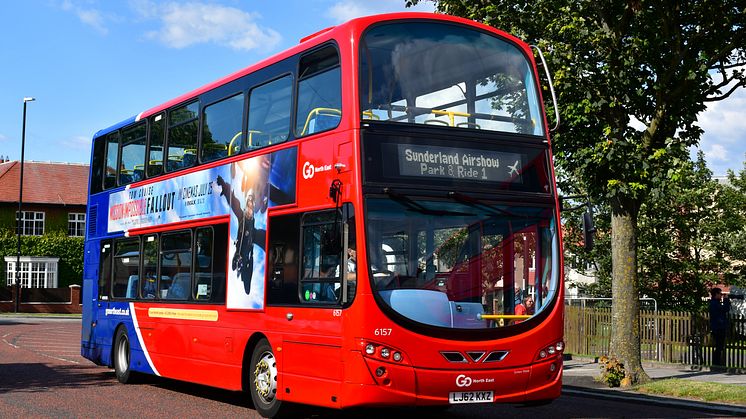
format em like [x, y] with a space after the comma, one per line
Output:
[370, 349]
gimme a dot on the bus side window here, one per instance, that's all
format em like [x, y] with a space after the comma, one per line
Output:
[97, 171]
[155, 145]
[221, 129]
[183, 124]
[104, 270]
[126, 268]
[209, 263]
[319, 104]
[176, 265]
[283, 259]
[148, 286]
[112, 160]
[269, 113]
[132, 168]
[322, 258]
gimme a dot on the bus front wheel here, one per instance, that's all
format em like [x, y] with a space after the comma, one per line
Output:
[263, 380]
[122, 356]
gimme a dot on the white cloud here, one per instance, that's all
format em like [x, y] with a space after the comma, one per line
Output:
[78, 142]
[724, 138]
[3, 137]
[186, 24]
[345, 10]
[716, 152]
[90, 16]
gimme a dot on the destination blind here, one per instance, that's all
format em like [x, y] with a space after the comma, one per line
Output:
[458, 163]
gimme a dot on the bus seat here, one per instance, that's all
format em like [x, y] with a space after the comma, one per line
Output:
[180, 286]
[320, 119]
[425, 306]
[132, 286]
[436, 122]
[466, 315]
[468, 125]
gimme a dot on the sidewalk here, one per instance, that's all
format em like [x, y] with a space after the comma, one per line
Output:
[580, 373]
[586, 367]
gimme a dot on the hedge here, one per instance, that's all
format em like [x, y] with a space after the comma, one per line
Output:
[56, 244]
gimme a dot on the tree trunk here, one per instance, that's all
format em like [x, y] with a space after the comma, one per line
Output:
[625, 307]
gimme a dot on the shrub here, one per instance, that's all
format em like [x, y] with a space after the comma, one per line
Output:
[612, 371]
[55, 244]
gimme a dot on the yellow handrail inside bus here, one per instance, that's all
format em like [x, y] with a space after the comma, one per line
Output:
[233, 140]
[370, 115]
[319, 112]
[451, 115]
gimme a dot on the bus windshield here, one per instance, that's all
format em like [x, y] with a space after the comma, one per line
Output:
[447, 75]
[462, 264]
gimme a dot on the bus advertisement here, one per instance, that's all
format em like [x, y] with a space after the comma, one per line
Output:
[369, 218]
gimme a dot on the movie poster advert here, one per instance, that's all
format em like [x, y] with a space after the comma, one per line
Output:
[244, 190]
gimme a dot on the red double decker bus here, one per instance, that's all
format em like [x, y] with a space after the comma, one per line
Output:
[368, 218]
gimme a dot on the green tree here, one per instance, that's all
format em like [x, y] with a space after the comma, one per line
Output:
[658, 62]
[689, 239]
[679, 246]
[733, 242]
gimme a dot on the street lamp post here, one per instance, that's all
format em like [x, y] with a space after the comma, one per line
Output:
[19, 217]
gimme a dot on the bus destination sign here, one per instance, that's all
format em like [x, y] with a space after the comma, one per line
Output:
[426, 161]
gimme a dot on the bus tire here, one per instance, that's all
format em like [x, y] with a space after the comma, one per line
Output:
[121, 356]
[263, 380]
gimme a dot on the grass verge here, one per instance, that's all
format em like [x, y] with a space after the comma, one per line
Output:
[697, 390]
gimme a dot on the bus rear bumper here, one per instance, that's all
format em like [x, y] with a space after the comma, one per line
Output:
[400, 385]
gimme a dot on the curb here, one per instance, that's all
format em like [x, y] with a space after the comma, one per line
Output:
[717, 408]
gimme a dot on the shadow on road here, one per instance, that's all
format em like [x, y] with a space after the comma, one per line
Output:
[37, 377]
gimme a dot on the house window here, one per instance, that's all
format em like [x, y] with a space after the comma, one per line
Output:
[34, 272]
[32, 223]
[76, 224]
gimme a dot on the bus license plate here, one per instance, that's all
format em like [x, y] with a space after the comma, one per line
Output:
[458, 397]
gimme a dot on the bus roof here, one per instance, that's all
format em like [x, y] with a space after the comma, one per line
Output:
[351, 27]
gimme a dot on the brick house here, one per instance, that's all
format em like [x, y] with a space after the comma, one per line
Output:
[54, 202]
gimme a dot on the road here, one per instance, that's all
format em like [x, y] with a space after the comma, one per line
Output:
[43, 375]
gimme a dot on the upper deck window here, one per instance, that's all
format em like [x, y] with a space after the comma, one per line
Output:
[132, 167]
[319, 105]
[183, 124]
[221, 132]
[155, 146]
[443, 74]
[269, 113]
[112, 160]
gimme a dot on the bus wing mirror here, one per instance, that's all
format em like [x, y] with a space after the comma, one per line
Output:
[589, 231]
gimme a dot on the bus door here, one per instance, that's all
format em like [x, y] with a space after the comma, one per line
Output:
[90, 298]
[308, 285]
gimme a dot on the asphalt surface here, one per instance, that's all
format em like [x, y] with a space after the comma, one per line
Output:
[42, 375]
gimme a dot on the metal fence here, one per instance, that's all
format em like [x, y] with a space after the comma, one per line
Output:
[665, 336]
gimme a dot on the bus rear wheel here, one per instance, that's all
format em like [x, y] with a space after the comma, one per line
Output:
[263, 380]
[121, 356]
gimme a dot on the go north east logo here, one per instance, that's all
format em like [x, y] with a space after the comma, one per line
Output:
[117, 312]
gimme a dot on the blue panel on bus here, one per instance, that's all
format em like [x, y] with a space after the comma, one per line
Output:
[114, 127]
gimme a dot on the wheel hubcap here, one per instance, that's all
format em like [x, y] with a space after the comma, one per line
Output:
[265, 377]
[123, 354]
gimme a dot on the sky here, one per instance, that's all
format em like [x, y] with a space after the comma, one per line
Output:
[93, 63]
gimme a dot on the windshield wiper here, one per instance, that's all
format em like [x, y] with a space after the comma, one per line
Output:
[413, 205]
